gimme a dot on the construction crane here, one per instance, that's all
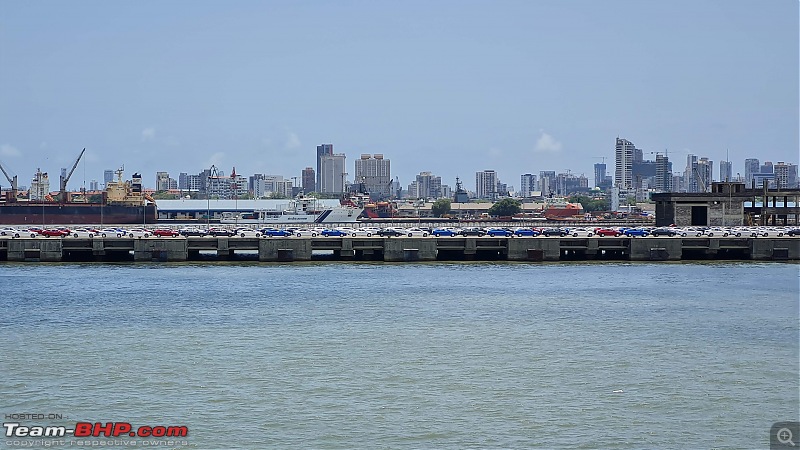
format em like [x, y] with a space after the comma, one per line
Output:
[62, 192]
[12, 181]
[601, 157]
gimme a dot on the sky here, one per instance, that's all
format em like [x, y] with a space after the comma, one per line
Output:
[450, 87]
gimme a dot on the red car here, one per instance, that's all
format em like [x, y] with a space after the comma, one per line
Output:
[54, 232]
[607, 232]
[162, 232]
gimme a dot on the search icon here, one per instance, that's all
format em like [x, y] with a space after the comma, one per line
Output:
[785, 436]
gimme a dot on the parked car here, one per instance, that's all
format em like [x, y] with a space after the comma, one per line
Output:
[392, 232]
[247, 232]
[411, 232]
[83, 233]
[529, 232]
[305, 232]
[580, 232]
[191, 231]
[495, 232]
[635, 232]
[328, 232]
[165, 232]
[216, 232]
[9, 231]
[554, 232]
[439, 232]
[138, 233]
[275, 232]
[664, 232]
[602, 232]
[472, 231]
[111, 232]
[54, 232]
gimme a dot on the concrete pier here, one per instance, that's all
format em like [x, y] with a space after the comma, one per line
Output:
[402, 249]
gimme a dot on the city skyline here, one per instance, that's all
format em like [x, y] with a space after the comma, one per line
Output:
[515, 87]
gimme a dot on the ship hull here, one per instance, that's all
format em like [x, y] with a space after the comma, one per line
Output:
[334, 215]
[75, 214]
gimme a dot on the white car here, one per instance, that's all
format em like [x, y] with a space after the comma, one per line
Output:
[9, 231]
[111, 232]
[306, 232]
[82, 233]
[582, 232]
[138, 233]
[368, 232]
[411, 232]
[247, 232]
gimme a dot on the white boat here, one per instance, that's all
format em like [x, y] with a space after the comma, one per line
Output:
[300, 210]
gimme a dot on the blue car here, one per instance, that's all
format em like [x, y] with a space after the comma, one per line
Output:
[634, 232]
[525, 232]
[439, 232]
[274, 232]
[495, 232]
[333, 233]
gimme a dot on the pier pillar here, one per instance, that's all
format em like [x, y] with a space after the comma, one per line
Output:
[785, 248]
[160, 250]
[347, 251]
[223, 251]
[288, 249]
[655, 249]
[41, 249]
[394, 249]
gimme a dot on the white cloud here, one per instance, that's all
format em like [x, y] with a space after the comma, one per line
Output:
[148, 134]
[9, 151]
[547, 144]
[292, 141]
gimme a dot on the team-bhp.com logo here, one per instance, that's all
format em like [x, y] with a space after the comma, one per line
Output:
[87, 429]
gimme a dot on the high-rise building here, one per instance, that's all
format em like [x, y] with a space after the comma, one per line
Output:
[527, 185]
[663, 180]
[267, 185]
[599, 174]
[162, 181]
[332, 174]
[322, 150]
[108, 176]
[375, 172]
[725, 171]
[623, 155]
[426, 185]
[767, 167]
[308, 177]
[690, 174]
[785, 175]
[486, 184]
[547, 182]
[751, 167]
[705, 174]
[94, 185]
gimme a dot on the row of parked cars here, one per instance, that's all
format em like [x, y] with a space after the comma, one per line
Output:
[600, 232]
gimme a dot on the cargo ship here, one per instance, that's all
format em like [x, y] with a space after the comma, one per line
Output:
[562, 210]
[122, 202]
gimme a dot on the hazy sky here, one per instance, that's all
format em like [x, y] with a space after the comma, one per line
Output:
[450, 87]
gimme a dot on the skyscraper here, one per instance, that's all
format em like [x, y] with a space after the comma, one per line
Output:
[705, 174]
[485, 184]
[663, 181]
[309, 180]
[527, 185]
[108, 176]
[751, 167]
[599, 174]
[623, 155]
[322, 150]
[375, 173]
[690, 174]
[332, 174]
[725, 171]
[547, 182]
[427, 185]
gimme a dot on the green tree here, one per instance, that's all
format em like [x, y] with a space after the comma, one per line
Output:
[505, 207]
[276, 195]
[590, 204]
[441, 207]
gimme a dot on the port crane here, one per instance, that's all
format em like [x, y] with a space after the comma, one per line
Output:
[12, 181]
[62, 192]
